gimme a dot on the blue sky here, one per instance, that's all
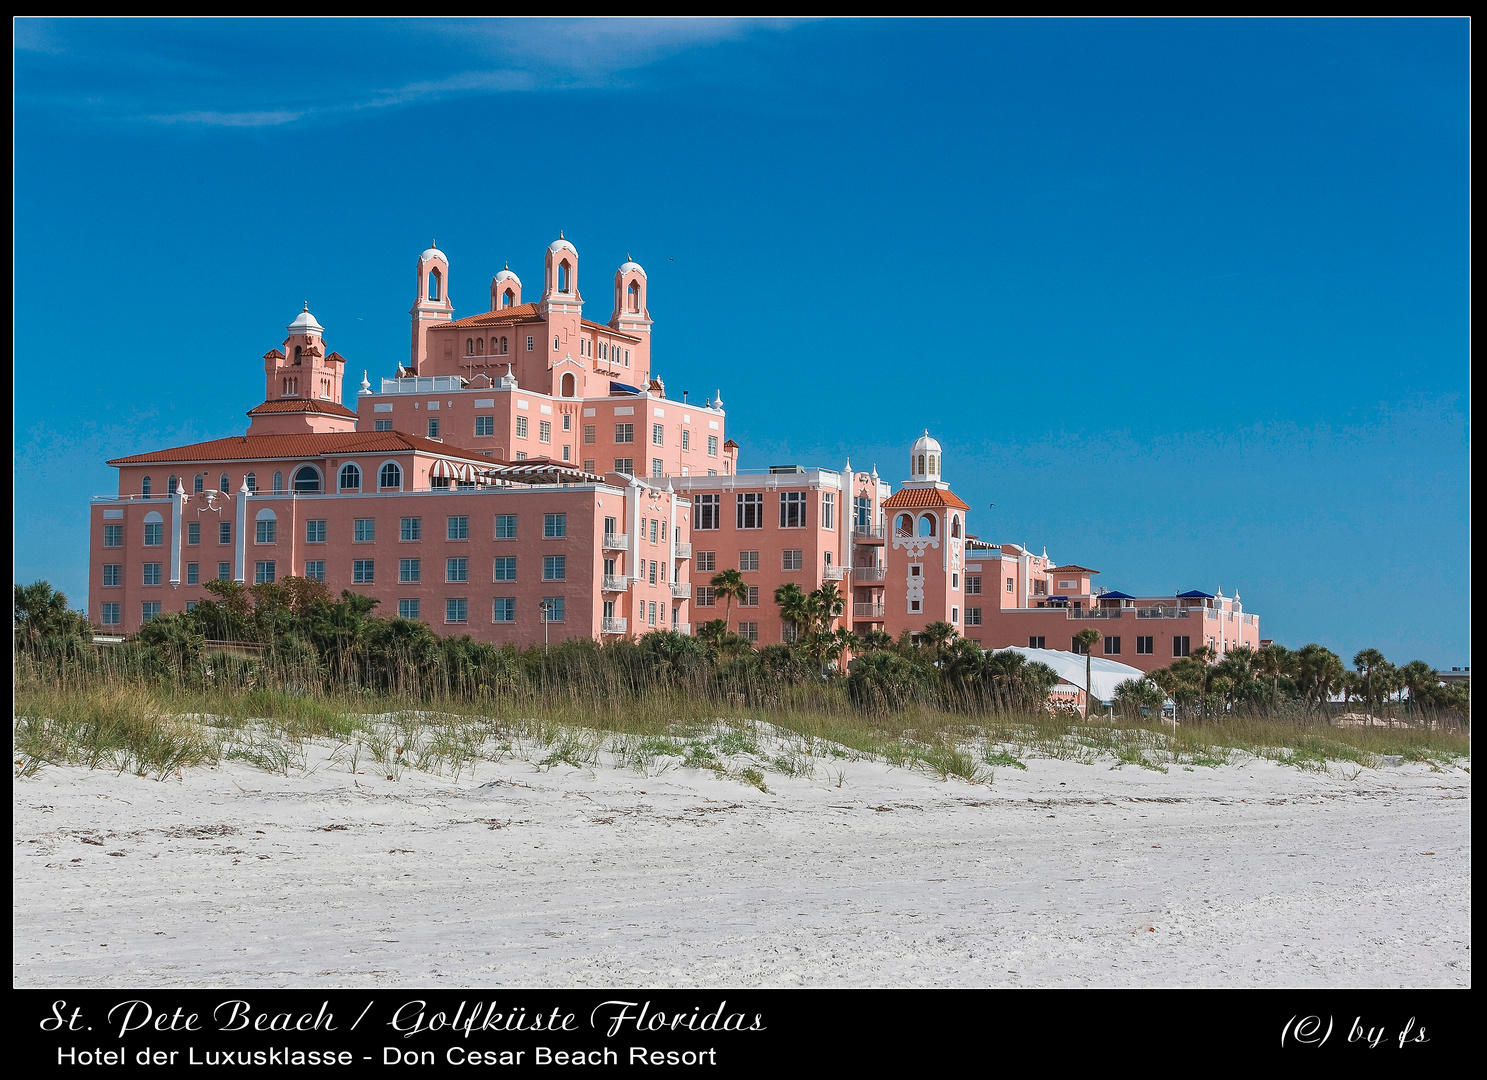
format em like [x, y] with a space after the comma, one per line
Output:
[1187, 301]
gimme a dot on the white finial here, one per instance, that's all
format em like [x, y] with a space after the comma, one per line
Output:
[718, 401]
[366, 384]
[245, 489]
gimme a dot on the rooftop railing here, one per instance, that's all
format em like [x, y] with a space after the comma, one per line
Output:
[1161, 612]
[1094, 613]
[426, 384]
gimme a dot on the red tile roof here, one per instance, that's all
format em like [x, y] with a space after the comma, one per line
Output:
[295, 405]
[308, 445]
[500, 317]
[1070, 569]
[273, 354]
[914, 498]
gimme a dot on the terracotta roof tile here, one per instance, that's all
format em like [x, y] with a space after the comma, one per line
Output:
[1070, 569]
[307, 445]
[295, 405]
[501, 317]
[913, 498]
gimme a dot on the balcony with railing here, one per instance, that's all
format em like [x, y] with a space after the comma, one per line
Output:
[867, 534]
[613, 626]
[683, 628]
[861, 574]
[1161, 611]
[683, 551]
[616, 541]
[867, 611]
[424, 384]
[681, 590]
[1094, 613]
[616, 583]
[833, 572]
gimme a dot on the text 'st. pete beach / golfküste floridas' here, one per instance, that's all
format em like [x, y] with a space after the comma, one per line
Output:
[806, 521]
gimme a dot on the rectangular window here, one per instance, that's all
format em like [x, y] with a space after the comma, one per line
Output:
[410, 570]
[362, 571]
[315, 531]
[706, 561]
[1143, 646]
[154, 533]
[458, 528]
[113, 535]
[191, 605]
[862, 512]
[955, 616]
[315, 570]
[504, 610]
[658, 468]
[793, 559]
[1112, 646]
[193, 573]
[224, 532]
[552, 606]
[705, 512]
[973, 616]
[566, 456]
[224, 571]
[707, 596]
[381, 425]
[544, 431]
[455, 609]
[748, 560]
[748, 510]
[1010, 587]
[485, 425]
[651, 614]
[410, 528]
[624, 433]
[1180, 646]
[751, 598]
[792, 509]
[111, 615]
[712, 446]
[505, 568]
[152, 573]
[1036, 643]
[653, 571]
[531, 344]
[407, 609]
[828, 510]
[113, 573]
[788, 633]
[749, 631]
[686, 439]
[588, 464]
[554, 567]
[625, 465]
[433, 427]
[263, 572]
[266, 532]
[567, 421]
[457, 569]
[149, 610]
[365, 530]
[973, 584]
[505, 526]
[658, 434]
[193, 533]
[588, 435]
[655, 524]
[521, 427]
[554, 525]
[954, 578]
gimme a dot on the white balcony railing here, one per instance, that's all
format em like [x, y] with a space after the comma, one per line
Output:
[867, 611]
[867, 532]
[616, 541]
[613, 626]
[683, 551]
[833, 573]
[616, 583]
[1160, 612]
[867, 573]
[424, 384]
[682, 590]
[683, 628]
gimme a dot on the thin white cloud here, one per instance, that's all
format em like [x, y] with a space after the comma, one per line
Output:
[229, 119]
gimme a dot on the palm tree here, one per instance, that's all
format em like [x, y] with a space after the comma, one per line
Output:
[794, 610]
[937, 635]
[1318, 671]
[1368, 662]
[730, 584]
[1419, 678]
[1274, 661]
[1086, 639]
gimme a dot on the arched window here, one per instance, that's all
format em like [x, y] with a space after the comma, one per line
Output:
[469, 346]
[933, 464]
[170, 487]
[508, 299]
[555, 345]
[480, 346]
[222, 484]
[570, 385]
[927, 525]
[252, 480]
[307, 479]
[298, 353]
[278, 482]
[903, 525]
[434, 284]
[955, 526]
[634, 296]
[198, 483]
[391, 476]
[350, 477]
[144, 487]
[563, 276]
[920, 467]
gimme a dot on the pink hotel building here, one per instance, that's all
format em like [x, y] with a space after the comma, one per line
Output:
[525, 474]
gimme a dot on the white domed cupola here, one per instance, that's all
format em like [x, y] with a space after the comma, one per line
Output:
[562, 270]
[926, 460]
[505, 289]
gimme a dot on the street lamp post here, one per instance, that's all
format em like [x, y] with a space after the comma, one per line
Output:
[546, 606]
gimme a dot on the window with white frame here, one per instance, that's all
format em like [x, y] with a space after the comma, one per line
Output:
[149, 611]
[554, 525]
[544, 431]
[315, 531]
[458, 527]
[748, 510]
[505, 526]
[113, 535]
[410, 570]
[504, 609]
[624, 433]
[224, 532]
[113, 574]
[193, 573]
[152, 573]
[552, 606]
[505, 568]
[705, 561]
[748, 560]
[485, 425]
[554, 567]
[828, 510]
[224, 571]
[266, 531]
[749, 631]
[588, 435]
[792, 559]
[457, 569]
[263, 572]
[456, 609]
[712, 446]
[408, 609]
[521, 427]
[110, 613]
[362, 571]
[364, 531]
[193, 533]
[792, 509]
[973, 616]
[625, 465]
[154, 533]
[707, 596]
[391, 476]
[350, 477]
[315, 570]
[381, 425]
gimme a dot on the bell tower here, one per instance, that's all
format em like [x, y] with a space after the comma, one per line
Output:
[302, 384]
[505, 289]
[631, 316]
[431, 304]
[924, 557]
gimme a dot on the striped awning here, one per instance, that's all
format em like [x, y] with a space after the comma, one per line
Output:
[543, 472]
[453, 470]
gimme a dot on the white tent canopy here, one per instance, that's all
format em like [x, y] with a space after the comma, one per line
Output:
[1104, 675]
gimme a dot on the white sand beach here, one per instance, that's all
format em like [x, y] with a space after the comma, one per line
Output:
[1066, 874]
